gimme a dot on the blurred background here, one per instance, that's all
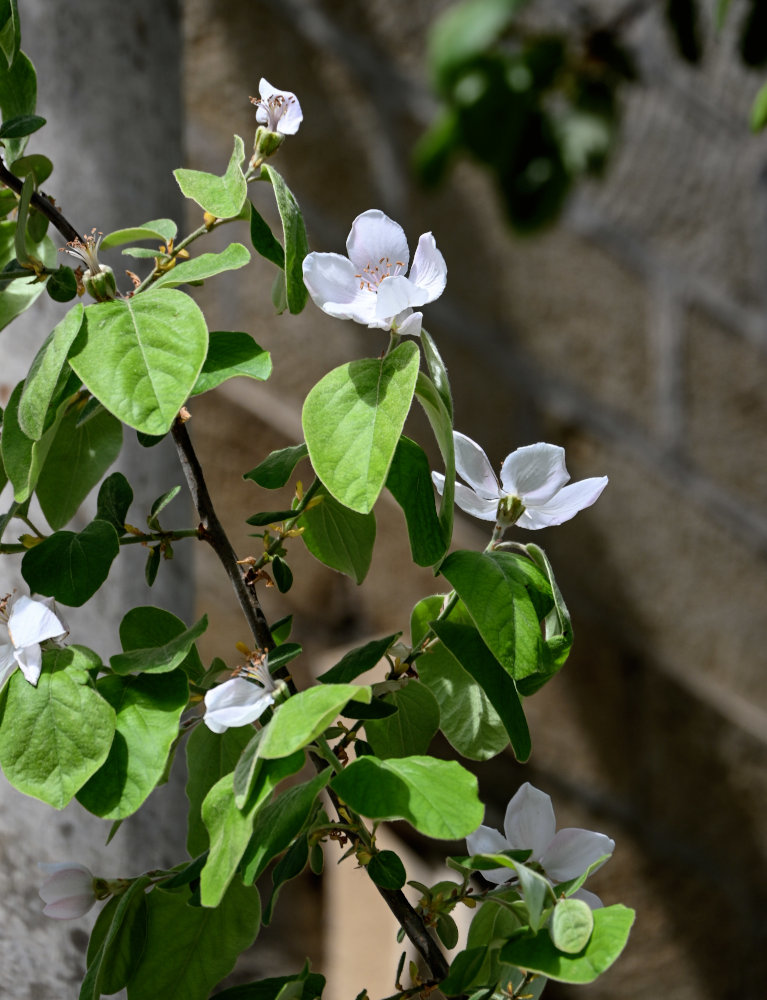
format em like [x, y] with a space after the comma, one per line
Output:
[590, 177]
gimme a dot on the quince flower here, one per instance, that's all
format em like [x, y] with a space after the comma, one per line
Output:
[532, 491]
[30, 621]
[278, 110]
[529, 825]
[69, 892]
[242, 699]
[370, 285]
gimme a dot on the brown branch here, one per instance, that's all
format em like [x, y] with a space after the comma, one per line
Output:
[41, 203]
[415, 929]
[212, 531]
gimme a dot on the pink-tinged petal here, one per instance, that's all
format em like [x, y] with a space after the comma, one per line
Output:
[429, 270]
[534, 473]
[589, 898]
[572, 851]
[333, 285]
[70, 908]
[408, 324]
[529, 823]
[236, 702]
[473, 466]
[30, 660]
[31, 621]
[395, 295]
[376, 241]
[564, 505]
[486, 840]
[68, 892]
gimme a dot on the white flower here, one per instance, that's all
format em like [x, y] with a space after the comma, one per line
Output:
[69, 892]
[532, 491]
[240, 700]
[278, 110]
[529, 825]
[31, 621]
[371, 285]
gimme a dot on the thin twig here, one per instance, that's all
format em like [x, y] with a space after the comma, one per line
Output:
[212, 531]
[41, 203]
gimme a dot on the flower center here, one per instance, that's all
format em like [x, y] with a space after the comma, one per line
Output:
[510, 509]
[86, 250]
[256, 668]
[275, 107]
[373, 274]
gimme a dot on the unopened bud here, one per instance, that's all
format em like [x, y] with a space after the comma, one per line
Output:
[100, 284]
[266, 142]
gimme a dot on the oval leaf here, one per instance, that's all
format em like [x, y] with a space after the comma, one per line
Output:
[304, 716]
[338, 537]
[571, 925]
[71, 566]
[296, 243]
[230, 354]
[410, 730]
[207, 265]
[43, 378]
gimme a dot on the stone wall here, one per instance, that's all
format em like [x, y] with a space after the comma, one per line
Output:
[634, 334]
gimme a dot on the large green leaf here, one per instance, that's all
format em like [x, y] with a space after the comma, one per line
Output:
[71, 566]
[263, 239]
[307, 714]
[117, 942]
[220, 196]
[19, 294]
[18, 96]
[352, 422]
[410, 730]
[78, 458]
[608, 939]
[466, 645]
[44, 375]
[296, 243]
[141, 357]
[191, 948]
[54, 736]
[148, 709]
[277, 468]
[158, 659]
[358, 661]
[159, 230]
[437, 797]
[441, 422]
[340, 538]
[310, 986]
[230, 354]
[22, 457]
[409, 481]
[209, 757]
[207, 265]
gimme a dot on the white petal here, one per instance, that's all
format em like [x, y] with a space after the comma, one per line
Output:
[7, 662]
[572, 851]
[291, 116]
[33, 621]
[376, 240]
[534, 473]
[408, 324]
[69, 908]
[486, 840]
[395, 295]
[564, 505]
[473, 466]
[468, 501]
[30, 660]
[236, 702]
[529, 823]
[333, 285]
[68, 892]
[429, 270]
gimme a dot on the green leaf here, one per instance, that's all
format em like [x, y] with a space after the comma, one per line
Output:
[78, 458]
[386, 869]
[220, 196]
[759, 110]
[22, 457]
[231, 354]
[463, 971]
[338, 537]
[466, 645]
[305, 715]
[56, 735]
[358, 661]
[117, 941]
[296, 243]
[311, 986]
[36, 164]
[141, 357]
[148, 709]
[283, 575]
[571, 925]
[288, 867]
[352, 422]
[159, 659]
[45, 373]
[409, 482]
[254, 777]
[61, 286]
[277, 468]
[557, 629]
[538, 954]
[507, 596]
[230, 828]
[466, 30]
[264, 241]
[209, 757]
[411, 729]
[22, 292]
[191, 948]
[21, 125]
[207, 265]
[467, 716]
[10, 31]
[71, 566]
[20, 237]
[439, 798]
[159, 506]
[442, 425]
[114, 500]
[279, 822]
[160, 230]
[18, 96]
[437, 371]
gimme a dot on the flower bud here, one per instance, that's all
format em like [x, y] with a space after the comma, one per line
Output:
[266, 143]
[68, 892]
[100, 284]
